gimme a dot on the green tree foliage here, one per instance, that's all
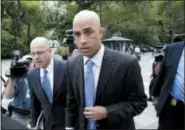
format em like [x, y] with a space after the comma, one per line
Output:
[170, 17]
[148, 22]
[141, 21]
[20, 30]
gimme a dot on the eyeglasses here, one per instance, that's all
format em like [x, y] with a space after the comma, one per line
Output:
[39, 53]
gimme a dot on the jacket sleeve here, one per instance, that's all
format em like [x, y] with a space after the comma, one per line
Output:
[136, 99]
[35, 104]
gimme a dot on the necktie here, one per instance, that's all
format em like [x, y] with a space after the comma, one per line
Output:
[46, 86]
[89, 91]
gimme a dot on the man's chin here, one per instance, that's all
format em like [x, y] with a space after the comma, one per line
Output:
[89, 55]
[38, 65]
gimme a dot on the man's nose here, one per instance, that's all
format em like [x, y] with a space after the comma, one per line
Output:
[83, 39]
[36, 56]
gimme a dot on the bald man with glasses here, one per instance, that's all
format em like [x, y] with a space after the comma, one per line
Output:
[47, 86]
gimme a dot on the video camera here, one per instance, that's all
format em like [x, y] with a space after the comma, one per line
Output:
[18, 67]
[68, 39]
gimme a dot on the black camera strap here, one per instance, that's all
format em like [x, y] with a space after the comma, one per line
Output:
[2, 79]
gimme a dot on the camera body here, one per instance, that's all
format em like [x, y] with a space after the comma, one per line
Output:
[69, 40]
[18, 67]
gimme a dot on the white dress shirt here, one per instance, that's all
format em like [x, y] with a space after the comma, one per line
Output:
[28, 90]
[97, 60]
[50, 69]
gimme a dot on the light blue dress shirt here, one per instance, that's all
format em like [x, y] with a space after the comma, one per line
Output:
[178, 85]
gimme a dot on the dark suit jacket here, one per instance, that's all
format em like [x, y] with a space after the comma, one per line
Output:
[120, 89]
[54, 114]
[165, 78]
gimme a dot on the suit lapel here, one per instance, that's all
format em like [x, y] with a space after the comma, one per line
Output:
[106, 69]
[38, 87]
[57, 79]
[177, 55]
[79, 74]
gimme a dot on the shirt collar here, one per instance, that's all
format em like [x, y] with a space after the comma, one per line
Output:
[96, 59]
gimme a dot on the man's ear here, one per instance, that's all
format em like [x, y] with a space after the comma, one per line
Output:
[102, 30]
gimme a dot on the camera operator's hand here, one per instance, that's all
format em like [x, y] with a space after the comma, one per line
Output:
[9, 89]
[7, 73]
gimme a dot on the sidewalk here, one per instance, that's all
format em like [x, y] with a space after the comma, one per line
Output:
[147, 119]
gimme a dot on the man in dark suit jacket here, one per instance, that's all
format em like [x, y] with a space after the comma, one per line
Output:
[47, 86]
[108, 94]
[169, 88]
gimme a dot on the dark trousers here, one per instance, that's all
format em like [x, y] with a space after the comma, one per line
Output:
[54, 127]
[58, 127]
[172, 116]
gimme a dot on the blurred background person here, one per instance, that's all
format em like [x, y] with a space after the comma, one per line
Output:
[137, 52]
[155, 70]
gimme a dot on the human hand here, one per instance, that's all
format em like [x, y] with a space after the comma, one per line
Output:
[95, 113]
